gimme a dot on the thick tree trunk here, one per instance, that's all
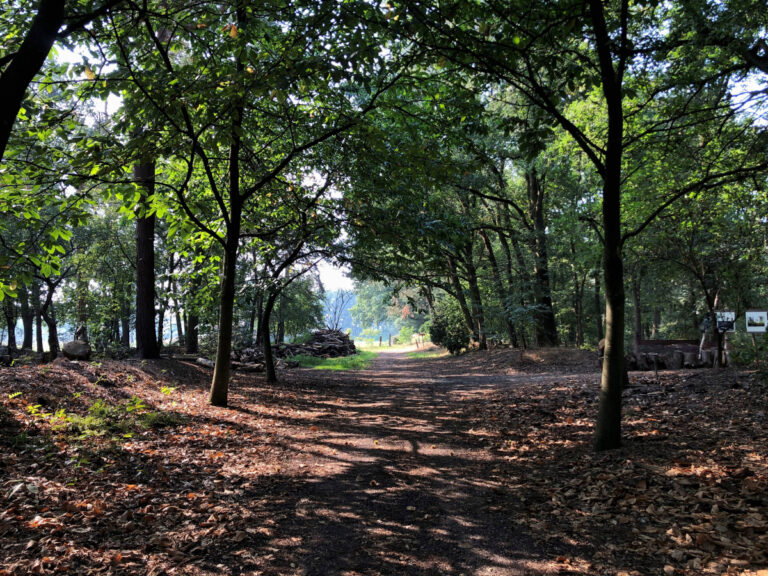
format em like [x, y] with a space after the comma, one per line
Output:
[26, 63]
[27, 319]
[598, 307]
[191, 343]
[546, 329]
[146, 343]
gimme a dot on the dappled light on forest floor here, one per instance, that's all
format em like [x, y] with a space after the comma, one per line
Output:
[407, 468]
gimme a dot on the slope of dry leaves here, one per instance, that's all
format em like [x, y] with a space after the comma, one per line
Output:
[474, 465]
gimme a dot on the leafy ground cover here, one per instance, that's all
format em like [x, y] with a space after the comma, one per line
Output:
[479, 464]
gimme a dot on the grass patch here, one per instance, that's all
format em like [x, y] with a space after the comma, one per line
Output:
[419, 355]
[359, 361]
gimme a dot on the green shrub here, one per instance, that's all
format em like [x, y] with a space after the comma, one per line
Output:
[447, 326]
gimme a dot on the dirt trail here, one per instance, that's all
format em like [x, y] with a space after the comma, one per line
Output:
[413, 489]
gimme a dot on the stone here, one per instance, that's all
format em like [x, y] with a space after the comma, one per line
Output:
[76, 350]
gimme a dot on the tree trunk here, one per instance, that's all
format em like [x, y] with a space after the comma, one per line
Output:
[38, 316]
[81, 332]
[146, 343]
[49, 315]
[608, 426]
[191, 343]
[9, 310]
[478, 316]
[499, 284]
[221, 372]
[26, 63]
[638, 328]
[598, 307]
[459, 289]
[27, 319]
[546, 329]
[269, 360]
[656, 323]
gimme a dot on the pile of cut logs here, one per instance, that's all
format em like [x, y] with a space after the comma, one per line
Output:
[322, 344]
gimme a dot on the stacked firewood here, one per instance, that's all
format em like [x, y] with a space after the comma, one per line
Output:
[322, 344]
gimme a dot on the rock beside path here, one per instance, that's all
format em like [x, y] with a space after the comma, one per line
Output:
[76, 350]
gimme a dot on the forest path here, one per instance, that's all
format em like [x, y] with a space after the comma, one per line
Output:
[398, 481]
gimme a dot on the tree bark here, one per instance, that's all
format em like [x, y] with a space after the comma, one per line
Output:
[269, 360]
[608, 426]
[221, 372]
[146, 343]
[638, 317]
[499, 284]
[27, 319]
[656, 323]
[476, 301]
[598, 306]
[38, 316]
[546, 328]
[49, 316]
[82, 307]
[9, 310]
[459, 289]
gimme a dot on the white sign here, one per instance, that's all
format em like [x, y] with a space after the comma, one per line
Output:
[726, 321]
[757, 320]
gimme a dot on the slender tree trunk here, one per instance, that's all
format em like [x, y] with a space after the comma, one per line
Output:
[49, 315]
[459, 289]
[82, 307]
[146, 342]
[638, 317]
[608, 426]
[221, 372]
[280, 323]
[38, 316]
[269, 360]
[475, 299]
[499, 284]
[546, 329]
